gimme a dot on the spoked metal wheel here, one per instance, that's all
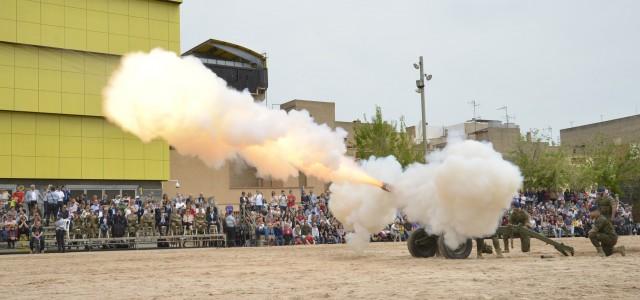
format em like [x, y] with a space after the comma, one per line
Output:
[421, 244]
[463, 251]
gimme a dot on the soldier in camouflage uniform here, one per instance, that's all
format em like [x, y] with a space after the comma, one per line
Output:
[200, 222]
[606, 204]
[176, 223]
[481, 247]
[602, 234]
[148, 222]
[518, 217]
[132, 222]
[91, 223]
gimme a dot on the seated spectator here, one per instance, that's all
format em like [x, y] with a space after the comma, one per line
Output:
[12, 235]
[315, 233]
[105, 223]
[188, 217]
[308, 240]
[212, 217]
[23, 227]
[277, 232]
[37, 238]
[298, 236]
[270, 234]
[287, 234]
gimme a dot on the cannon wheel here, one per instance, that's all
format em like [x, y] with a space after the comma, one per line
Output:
[421, 244]
[461, 252]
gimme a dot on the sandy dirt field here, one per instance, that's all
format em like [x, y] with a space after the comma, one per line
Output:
[384, 271]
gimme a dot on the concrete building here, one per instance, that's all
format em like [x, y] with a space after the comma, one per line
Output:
[618, 131]
[503, 136]
[55, 59]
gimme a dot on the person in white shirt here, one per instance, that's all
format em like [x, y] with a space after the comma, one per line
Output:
[60, 197]
[32, 196]
[259, 201]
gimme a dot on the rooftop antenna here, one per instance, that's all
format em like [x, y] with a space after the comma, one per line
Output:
[506, 114]
[475, 117]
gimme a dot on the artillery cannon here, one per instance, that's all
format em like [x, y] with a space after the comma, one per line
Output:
[422, 244]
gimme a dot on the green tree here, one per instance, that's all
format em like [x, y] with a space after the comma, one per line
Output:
[380, 138]
[542, 166]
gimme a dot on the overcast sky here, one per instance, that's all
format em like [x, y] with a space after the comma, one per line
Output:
[551, 62]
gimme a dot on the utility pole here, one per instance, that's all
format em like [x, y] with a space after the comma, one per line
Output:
[420, 84]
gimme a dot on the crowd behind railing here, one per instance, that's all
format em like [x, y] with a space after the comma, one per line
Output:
[276, 220]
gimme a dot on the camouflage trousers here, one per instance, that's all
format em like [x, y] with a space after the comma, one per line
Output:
[606, 241]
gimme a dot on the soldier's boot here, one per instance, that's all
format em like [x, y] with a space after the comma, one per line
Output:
[479, 255]
[600, 252]
[621, 250]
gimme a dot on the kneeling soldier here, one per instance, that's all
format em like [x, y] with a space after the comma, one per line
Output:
[602, 234]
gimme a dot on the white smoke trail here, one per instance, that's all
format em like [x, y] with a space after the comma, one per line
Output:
[160, 95]
[460, 193]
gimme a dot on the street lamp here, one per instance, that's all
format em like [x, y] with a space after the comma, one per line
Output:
[176, 181]
[420, 84]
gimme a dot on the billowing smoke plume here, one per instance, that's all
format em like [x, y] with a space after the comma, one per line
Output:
[160, 95]
[460, 193]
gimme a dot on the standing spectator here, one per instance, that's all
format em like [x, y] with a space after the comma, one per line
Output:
[259, 201]
[60, 231]
[306, 201]
[19, 196]
[60, 197]
[4, 199]
[291, 200]
[32, 196]
[230, 227]
[282, 202]
[50, 205]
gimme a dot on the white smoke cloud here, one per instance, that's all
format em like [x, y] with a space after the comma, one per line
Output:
[460, 193]
[160, 95]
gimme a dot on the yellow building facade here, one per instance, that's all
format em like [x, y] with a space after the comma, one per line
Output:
[56, 56]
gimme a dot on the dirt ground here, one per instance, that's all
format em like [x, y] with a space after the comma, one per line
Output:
[384, 271]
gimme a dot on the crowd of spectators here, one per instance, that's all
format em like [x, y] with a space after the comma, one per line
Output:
[279, 219]
[276, 220]
[567, 214]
